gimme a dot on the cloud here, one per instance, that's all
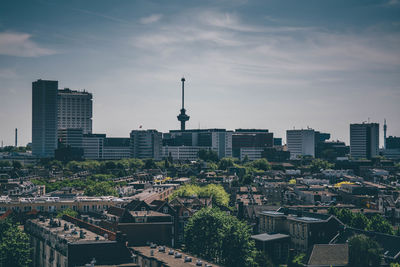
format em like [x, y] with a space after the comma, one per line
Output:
[393, 2]
[150, 19]
[21, 45]
[8, 73]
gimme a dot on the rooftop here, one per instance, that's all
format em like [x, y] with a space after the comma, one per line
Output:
[268, 237]
[167, 259]
[329, 255]
[68, 231]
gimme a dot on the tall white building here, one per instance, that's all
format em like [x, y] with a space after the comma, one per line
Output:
[75, 110]
[364, 140]
[300, 143]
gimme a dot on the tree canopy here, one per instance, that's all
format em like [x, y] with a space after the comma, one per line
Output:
[14, 245]
[215, 235]
[208, 155]
[318, 164]
[217, 192]
[376, 223]
[364, 251]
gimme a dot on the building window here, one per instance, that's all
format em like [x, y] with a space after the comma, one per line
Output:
[165, 210]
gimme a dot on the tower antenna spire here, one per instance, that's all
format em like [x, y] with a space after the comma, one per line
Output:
[384, 134]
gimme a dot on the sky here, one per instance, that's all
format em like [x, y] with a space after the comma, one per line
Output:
[272, 64]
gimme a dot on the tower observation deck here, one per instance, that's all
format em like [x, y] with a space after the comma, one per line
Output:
[183, 117]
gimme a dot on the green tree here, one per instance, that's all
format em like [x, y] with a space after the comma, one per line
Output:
[261, 164]
[208, 155]
[215, 235]
[5, 164]
[17, 165]
[217, 192]
[14, 245]
[380, 224]
[262, 260]
[318, 164]
[225, 163]
[298, 261]
[68, 212]
[359, 221]
[101, 189]
[150, 164]
[364, 251]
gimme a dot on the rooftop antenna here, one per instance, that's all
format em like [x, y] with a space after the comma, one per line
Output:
[384, 134]
[16, 137]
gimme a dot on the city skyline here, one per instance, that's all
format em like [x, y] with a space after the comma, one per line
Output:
[240, 59]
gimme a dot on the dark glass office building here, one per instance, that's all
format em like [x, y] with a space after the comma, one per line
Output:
[44, 118]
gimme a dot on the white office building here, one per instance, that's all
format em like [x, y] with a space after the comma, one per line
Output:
[184, 153]
[75, 110]
[300, 143]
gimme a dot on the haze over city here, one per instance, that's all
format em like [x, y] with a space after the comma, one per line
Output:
[247, 64]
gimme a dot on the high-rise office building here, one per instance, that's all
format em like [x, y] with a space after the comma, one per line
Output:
[364, 140]
[71, 137]
[75, 110]
[218, 140]
[251, 142]
[300, 143]
[146, 144]
[44, 118]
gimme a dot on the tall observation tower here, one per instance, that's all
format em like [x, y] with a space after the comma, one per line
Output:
[182, 117]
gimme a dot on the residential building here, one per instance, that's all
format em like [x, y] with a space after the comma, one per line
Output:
[70, 242]
[154, 255]
[75, 110]
[304, 228]
[146, 144]
[275, 245]
[364, 140]
[300, 143]
[44, 118]
[329, 255]
[55, 204]
[140, 226]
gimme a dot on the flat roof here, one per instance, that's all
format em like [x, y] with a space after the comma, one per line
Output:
[72, 234]
[273, 213]
[305, 219]
[167, 259]
[269, 237]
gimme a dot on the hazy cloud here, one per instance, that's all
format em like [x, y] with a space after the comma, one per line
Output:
[21, 45]
[151, 19]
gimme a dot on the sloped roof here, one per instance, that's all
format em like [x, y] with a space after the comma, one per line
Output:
[116, 211]
[329, 255]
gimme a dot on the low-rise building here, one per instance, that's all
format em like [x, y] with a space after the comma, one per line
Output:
[304, 228]
[66, 243]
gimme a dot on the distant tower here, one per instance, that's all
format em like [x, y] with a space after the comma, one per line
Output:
[182, 117]
[384, 134]
[16, 137]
